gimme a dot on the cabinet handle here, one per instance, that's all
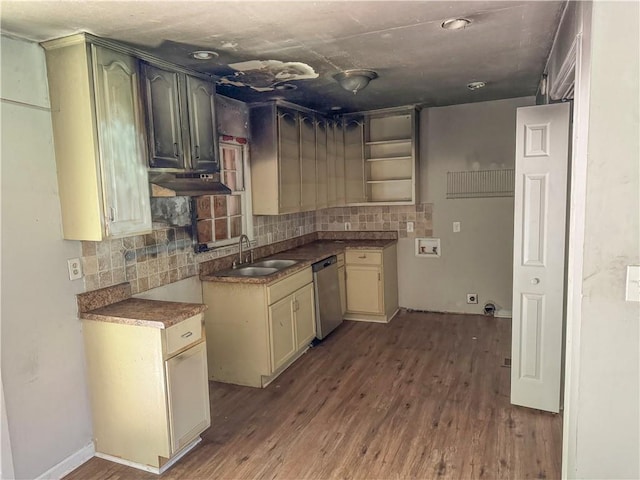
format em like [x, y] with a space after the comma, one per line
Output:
[363, 256]
[112, 214]
[186, 335]
[197, 150]
[378, 276]
[175, 150]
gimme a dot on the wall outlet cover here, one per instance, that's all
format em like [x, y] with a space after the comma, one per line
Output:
[409, 227]
[456, 227]
[472, 298]
[75, 268]
[632, 293]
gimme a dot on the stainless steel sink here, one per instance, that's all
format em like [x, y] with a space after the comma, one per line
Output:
[276, 263]
[249, 271]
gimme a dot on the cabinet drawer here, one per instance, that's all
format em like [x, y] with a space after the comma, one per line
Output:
[340, 261]
[363, 257]
[288, 285]
[183, 334]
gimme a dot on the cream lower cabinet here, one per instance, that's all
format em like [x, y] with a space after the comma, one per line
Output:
[371, 284]
[342, 283]
[258, 330]
[149, 391]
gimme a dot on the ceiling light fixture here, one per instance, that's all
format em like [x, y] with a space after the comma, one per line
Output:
[203, 54]
[475, 85]
[455, 23]
[285, 86]
[355, 80]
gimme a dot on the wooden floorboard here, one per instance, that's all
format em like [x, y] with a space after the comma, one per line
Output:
[426, 396]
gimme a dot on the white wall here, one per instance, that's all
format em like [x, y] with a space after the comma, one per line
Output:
[42, 355]
[603, 426]
[478, 259]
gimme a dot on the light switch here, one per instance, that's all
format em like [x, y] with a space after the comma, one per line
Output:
[633, 283]
[456, 227]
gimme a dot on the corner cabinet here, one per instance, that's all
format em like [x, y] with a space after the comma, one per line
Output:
[98, 139]
[149, 390]
[371, 284]
[181, 122]
[391, 156]
[256, 331]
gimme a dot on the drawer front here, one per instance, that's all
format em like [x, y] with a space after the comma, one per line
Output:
[340, 258]
[288, 285]
[183, 334]
[364, 257]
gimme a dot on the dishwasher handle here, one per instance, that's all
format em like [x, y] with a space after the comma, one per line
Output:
[327, 262]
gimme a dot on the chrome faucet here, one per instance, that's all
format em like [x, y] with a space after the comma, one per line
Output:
[241, 260]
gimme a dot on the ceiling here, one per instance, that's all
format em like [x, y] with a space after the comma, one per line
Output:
[417, 61]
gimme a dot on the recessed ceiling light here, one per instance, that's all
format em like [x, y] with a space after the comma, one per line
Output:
[203, 54]
[336, 108]
[455, 23]
[285, 86]
[475, 85]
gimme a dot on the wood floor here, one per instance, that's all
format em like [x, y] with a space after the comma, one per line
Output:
[426, 396]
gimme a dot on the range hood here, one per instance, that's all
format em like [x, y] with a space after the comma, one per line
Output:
[190, 184]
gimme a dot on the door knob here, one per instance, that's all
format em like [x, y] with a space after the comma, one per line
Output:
[535, 281]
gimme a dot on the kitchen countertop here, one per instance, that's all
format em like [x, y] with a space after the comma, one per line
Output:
[142, 312]
[306, 255]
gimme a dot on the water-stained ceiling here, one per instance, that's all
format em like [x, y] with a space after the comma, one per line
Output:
[262, 46]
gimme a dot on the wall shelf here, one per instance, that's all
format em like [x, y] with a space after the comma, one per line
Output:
[390, 142]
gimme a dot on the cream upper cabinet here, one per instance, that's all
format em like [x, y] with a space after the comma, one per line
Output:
[340, 162]
[391, 156]
[321, 163]
[308, 175]
[289, 187]
[371, 284]
[354, 160]
[257, 330]
[180, 116]
[149, 390]
[99, 140]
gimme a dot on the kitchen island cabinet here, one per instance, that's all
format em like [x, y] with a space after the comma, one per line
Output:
[257, 330]
[147, 373]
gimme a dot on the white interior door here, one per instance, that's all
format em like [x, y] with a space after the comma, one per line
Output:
[542, 155]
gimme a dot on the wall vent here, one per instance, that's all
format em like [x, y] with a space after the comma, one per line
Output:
[480, 183]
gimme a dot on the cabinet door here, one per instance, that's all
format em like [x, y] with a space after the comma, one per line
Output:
[331, 165]
[288, 162]
[321, 163]
[281, 332]
[305, 316]
[122, 155]
[340, 171]
[162, 100]
[343, 290]
[188, 396]
[364, 289]
[354, 161]
[307, 163]
[202, 125]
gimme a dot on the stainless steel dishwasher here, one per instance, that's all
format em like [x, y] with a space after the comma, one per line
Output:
[327, 291]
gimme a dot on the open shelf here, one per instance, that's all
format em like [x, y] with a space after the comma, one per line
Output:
[390, 142]
[389, 159]
[390, 180]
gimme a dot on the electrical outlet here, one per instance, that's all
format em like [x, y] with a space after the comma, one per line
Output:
[75, 268]
[472, 298]
[347, 226]
[456, 227]
[409, 226]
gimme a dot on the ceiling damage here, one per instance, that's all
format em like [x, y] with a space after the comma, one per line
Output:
[292, 50]
[267, 75]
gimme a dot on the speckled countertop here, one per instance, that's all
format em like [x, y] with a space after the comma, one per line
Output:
[306, 255]
[113, 304]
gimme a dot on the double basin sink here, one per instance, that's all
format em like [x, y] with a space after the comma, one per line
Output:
[258, 269]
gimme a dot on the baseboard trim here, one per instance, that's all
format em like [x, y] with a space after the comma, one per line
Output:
[70, 463]
[149, 468]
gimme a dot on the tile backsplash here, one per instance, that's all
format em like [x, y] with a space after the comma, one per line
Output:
[145, 261]
[379, 218]
[166, 255]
